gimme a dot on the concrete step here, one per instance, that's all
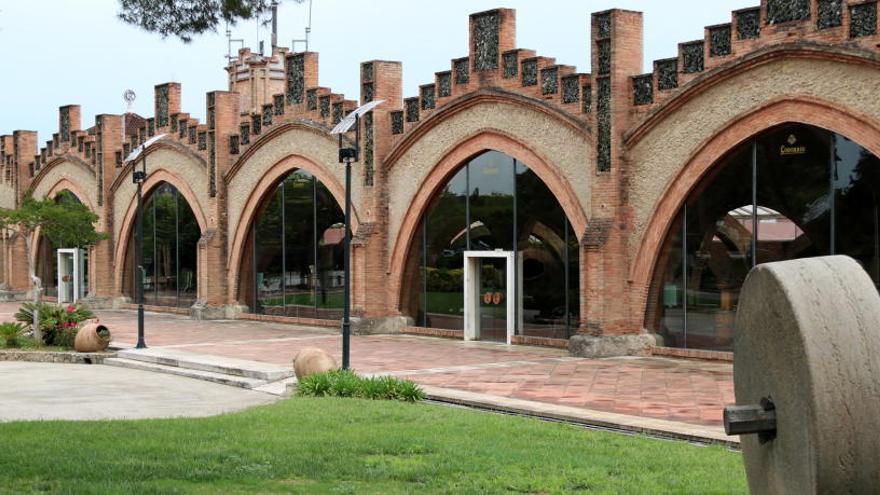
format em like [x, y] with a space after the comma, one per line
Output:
[213, 364]
[209, 376]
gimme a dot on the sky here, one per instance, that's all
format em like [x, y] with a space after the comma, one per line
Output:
[60, 52]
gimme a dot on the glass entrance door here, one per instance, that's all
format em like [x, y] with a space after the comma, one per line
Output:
[493, 299]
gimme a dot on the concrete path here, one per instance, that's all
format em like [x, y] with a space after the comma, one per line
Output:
[40, 391]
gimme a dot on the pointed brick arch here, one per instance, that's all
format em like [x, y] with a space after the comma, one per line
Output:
[801, 110]
[266, 184]
[448, 165]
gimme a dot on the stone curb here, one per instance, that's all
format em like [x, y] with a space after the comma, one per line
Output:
[70, 357]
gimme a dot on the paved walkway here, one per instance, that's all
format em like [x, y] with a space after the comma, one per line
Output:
[40, 391]
[688, 391]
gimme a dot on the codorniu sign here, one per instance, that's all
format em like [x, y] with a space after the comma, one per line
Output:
[793, 148]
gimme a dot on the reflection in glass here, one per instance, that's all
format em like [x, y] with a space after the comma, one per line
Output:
[495, 203]
[294, 266]
[719, 235]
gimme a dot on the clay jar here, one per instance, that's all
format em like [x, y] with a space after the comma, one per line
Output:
[92, 337]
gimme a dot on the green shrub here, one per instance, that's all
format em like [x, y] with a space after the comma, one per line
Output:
[12, 334]
[346, 383]
[59, 324]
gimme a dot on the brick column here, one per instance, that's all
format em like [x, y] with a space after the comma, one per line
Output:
[24, 148]
[108, 139]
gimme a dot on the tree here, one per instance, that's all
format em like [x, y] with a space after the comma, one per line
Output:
[188, 18]
[67, 224]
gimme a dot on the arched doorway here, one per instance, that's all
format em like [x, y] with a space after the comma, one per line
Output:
[494, 202]
[47, 258]
[794, 191]
[292, 264]
[170, 250]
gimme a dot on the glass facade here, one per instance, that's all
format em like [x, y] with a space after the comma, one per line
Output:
[47, 256]
[171, 236]
[795, 191]
[294, 264]
[495, 203]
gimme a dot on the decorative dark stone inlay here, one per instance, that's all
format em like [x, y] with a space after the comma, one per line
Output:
[462, 73]
[643, 89]
[530, 72]
[296, 78]
[151, 127]
[412, 109]
[256, 124]
[444, 84]
[118, 159]
[571, 89]
[162, 106]
[863, 20]
[748, 24]
[211, 99]
[603, 148]
[193, 134]
[182, 128]
[65, 123]
[486, 34]
[142, 134]
[212, 164]
[174, 123]
[233, 144]
[779, 11]
[720, 39]
[511, 64]
[368, 149]
[603, 25]
[278, 101]
[692, 57]
[428, 99]
[267, 116]
[667, 74]
[312, 99]
[211, 117]
[81, 144]
[203, 141]
[604, 48]
[829, 14]
[549, 81]
[397, 122]
[325, 106]
[367, 72]
[337, 112]
[587, 91]
[367, 92]
[245, 131]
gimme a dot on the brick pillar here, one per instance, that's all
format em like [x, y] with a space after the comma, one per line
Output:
[223, 122]
[167, 103]
[69, 121]
[301, 73]
[108, 139]
[616, 45]
[491, 33]
[24, 148]
[380, 80]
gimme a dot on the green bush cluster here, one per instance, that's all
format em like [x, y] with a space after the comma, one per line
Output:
[12, 335]
[59, 324]
[347, 383]
[445, 279]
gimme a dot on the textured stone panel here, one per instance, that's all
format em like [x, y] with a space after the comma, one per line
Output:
[571, 89]
[429, 100]
[692, 57]
[203, 141]
[233, 144]
[604, 47]
[587, 91]
[667, 74]
[312, 99]
[486, 39]
[367, 93]
[603, 26]
[267, 116]
[337, 113]
[369, 146]
[549, 81]
[151, 127]
[397, 122]
[278, 102]
[530, 72]
[245, 132]
[779, 11]
[830, 14]
[643, 90]
[65, 123]
[325, 106]
[367, 72]
[162, 106]
[444, 84]
[462, 71]
[295, 78]
[863, 20]
[412, 109]
[748, 24]
[511, 64]
[603, 147]
[720, 39]
[256, 124]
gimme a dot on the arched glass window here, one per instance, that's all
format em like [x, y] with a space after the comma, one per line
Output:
[293, 265]
[171, 236]
[47, 256]
[795, 191]
[495, 203]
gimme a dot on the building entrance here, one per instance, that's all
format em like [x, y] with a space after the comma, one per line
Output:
[489, 309]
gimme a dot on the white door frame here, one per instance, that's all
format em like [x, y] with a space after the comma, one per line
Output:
[78, 270]
[472, 292]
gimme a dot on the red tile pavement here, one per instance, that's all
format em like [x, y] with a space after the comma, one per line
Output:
[680, 390]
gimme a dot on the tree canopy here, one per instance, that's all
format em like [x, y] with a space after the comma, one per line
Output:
[188, 18]
[65, 223]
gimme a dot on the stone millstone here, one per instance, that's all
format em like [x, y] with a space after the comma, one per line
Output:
[808, 337]
[311, 360]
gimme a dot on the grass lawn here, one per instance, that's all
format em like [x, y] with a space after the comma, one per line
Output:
[353, 446]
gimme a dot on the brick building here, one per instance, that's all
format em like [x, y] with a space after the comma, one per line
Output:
[616, 209]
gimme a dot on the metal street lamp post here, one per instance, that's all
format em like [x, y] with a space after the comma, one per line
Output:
[138, 177]
[349, 155]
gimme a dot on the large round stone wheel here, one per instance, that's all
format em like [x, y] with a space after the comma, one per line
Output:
[808, 338]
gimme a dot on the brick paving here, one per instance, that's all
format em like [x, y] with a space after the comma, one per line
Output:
[688, 391]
